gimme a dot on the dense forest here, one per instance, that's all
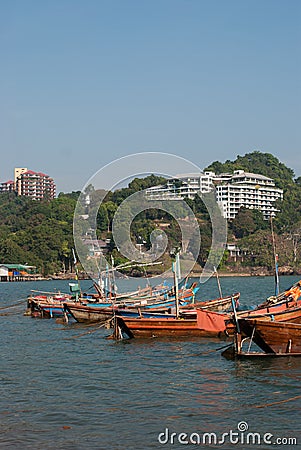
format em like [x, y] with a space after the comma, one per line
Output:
[40, 233]
[37, 233]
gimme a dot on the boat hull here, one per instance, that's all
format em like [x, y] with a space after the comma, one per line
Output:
[273, 337]
[166, 327]
[88, 314]
[216, 305]
[279, 313]
[272, 311]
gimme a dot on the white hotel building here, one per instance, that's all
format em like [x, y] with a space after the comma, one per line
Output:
[181, 186]
[233, 191]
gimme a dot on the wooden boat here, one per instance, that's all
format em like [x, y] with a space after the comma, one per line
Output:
[269, 329]
[218, 305]
[149, 293]
[206, 324]
[275, 325]
[289, 312]
[287, 297]
[272, 337]
[99, 312]
[277, 308]
[186, 296]
[113, 295]
[278, 313]
[46, 304]
[51, 304]
[88, 313]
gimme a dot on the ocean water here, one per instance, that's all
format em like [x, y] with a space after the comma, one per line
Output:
[69, 387]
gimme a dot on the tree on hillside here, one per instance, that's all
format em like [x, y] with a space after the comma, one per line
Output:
[290, 208]
[298, 181]
[102, 218]
[139, 184]
[257, 162]
[294, 236]
[74, 195]
[247, 221]
[11, 252]
[243, 225]
[259, 248]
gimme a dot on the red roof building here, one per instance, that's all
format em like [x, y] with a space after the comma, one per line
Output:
[7, 186]
[36, 185]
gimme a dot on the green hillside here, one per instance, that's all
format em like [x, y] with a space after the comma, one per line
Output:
[40, 233]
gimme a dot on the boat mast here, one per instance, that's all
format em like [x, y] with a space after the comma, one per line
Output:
[277, 287]
[114, 287]
[76, 275]
[218, 283]
[175, 270]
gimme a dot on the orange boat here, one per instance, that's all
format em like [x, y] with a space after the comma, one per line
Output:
[206, 324]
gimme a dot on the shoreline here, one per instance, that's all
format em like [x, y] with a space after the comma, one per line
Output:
[192, 274]
[227, 274]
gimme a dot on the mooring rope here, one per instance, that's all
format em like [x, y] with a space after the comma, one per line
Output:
[211, 351]
[82, 334]
[9, 314]
[280, 401]
[14, 305]
[90, 332]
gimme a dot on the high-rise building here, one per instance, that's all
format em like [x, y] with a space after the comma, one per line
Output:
[233, 191]
[248, 190]
[36, 185]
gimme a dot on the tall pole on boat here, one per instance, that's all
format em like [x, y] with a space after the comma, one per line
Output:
[174, 254]
[113, 278]
[107, 285]
[218, 283]
[275, 260]
[237, 328]
[178, 266]
[174, 269]
[76, 272]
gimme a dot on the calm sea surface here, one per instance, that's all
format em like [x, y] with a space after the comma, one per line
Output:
[68, 387]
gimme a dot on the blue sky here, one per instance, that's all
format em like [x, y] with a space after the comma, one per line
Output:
[85, 82]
